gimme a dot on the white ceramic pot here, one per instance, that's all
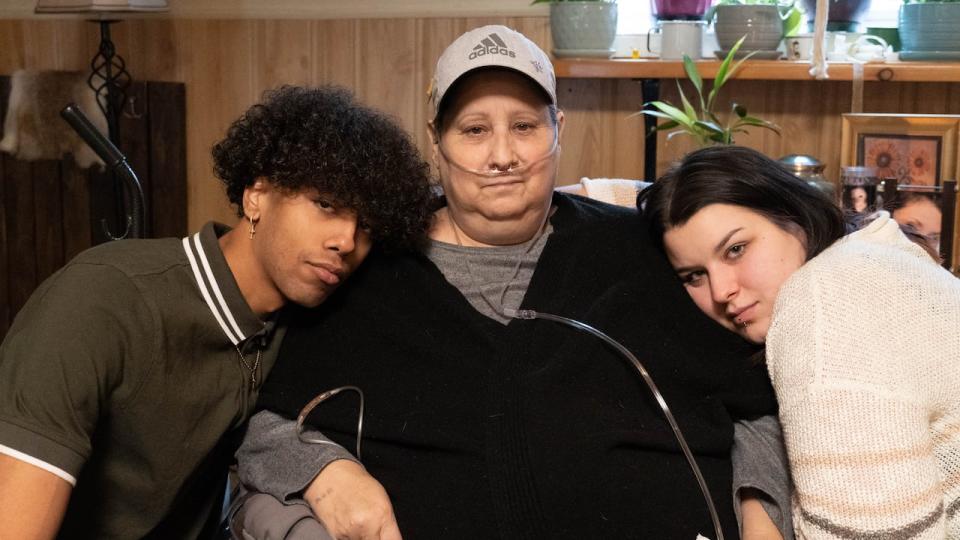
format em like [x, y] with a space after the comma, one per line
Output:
[583, 26]
[761, 24]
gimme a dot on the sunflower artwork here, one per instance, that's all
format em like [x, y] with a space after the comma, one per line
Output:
[911, 159]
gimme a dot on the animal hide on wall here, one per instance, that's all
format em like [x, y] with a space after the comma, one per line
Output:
[33, 128]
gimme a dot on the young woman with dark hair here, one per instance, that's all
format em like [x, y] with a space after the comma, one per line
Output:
[869, 404]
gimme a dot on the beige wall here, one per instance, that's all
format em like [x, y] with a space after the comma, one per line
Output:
[227, 63]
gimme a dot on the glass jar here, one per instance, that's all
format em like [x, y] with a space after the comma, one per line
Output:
[859, 185]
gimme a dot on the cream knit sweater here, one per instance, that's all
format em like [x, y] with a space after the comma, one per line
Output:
[864, 354]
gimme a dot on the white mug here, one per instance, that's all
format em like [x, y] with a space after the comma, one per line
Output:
[678, 38]
[799, 47]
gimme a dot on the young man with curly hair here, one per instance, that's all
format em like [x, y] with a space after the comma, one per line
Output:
[127, 377]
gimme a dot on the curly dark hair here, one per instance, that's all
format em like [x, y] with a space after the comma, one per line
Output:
[321, 138]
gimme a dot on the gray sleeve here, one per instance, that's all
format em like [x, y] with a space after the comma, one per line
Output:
[273, 460]
[760, 462]
[258, 516]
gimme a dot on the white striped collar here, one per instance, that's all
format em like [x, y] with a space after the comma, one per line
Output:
[218, 286]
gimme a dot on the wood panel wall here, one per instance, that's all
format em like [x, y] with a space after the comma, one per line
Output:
[227, 64]
[50, 211]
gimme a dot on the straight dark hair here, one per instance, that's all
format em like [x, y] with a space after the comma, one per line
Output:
[740, 176]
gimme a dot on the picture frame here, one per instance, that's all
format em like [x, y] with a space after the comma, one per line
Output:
[916, 149]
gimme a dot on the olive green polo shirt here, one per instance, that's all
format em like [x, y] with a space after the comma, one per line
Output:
[122, 376]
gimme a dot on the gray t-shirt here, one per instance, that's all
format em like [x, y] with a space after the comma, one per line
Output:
[492, 279]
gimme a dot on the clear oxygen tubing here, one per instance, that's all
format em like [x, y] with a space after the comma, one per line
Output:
[512, 170]
[308, 408]
[529, 314]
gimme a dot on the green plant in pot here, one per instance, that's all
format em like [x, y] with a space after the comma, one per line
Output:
[582, 28]
[928, 30]
[699, 119]
[763, 22]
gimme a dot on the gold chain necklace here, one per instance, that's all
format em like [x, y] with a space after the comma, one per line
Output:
[252, 369]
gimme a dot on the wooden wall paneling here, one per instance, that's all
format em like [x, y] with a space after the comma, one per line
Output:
[77, 234]
[135, 144]
[48, 217]
[38, 45]
[42, 45]
[151, 48]
[592, 144]
[627, 135]
[387, 52]
[12, 52]
[927, 98]
[219, 71]
[281, 54]
[21, 231]
[433, 35]
[333, 52]
[168, 139]
[76, 41]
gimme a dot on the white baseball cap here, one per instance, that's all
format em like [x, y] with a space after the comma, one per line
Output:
[491, 46]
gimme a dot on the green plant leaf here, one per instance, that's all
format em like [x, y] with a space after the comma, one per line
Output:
[721, 77]
[792, 17]
[666, 125]
[710, 127]
[687, 107]
[756, 122]
[722, 138]
[690, 68]
[670, 112]
[692, 73]
[739, 110]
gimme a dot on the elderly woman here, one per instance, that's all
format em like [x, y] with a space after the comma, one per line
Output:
[477, 425]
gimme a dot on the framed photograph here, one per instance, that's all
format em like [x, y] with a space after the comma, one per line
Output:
[916, 149]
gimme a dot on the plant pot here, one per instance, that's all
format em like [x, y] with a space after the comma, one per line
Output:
[931, 26]
[761, 23]
[583, 26]
[679, 10]
[843, 15]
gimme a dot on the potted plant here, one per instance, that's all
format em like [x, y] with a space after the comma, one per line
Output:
[680, 10]
[842, 15]
[928, 30]
[762, 22]
[582, 28]
[699, 119]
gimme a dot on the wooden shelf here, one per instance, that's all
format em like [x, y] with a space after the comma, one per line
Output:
[771, 70]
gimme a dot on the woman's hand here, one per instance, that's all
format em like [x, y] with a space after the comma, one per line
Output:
[351, 504]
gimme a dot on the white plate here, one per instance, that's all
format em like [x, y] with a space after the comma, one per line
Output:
[583, 53]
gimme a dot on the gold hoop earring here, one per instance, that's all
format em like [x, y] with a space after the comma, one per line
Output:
[253, 227]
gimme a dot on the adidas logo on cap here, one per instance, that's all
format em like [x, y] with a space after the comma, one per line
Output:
[491, 44]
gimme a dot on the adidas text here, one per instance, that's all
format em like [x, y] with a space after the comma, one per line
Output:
[491, 50]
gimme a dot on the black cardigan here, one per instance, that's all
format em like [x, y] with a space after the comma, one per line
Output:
[531, 430]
